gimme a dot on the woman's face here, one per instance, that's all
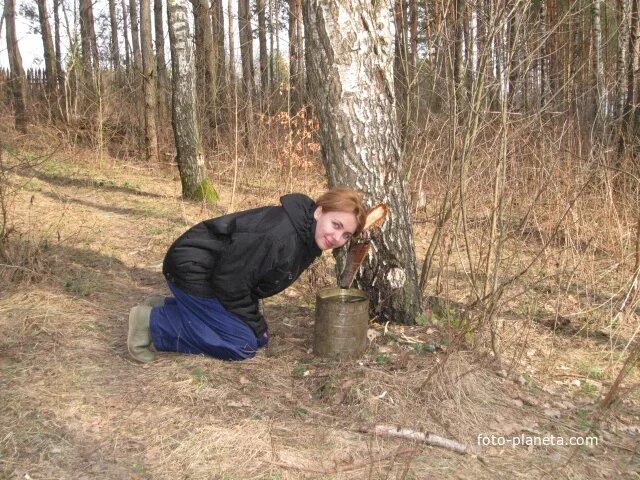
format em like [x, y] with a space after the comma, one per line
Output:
[333, 229]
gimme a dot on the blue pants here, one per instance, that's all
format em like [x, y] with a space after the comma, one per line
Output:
[189, 324]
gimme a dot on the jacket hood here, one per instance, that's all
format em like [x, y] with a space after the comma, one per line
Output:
[300, 210]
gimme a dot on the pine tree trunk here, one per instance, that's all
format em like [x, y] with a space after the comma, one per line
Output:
[294, 77]
[262, 38]
[49, 51]
[16, 76]
[86, 18]
[598, 66]
[458, 55]
[161, 65]
[206, 68]
[621, 57]
[217, 23]
[401, 65]
[56, 33]
[115, 49]
[246, 57]
[350, 70]
[185, 127]
[629, 112]
[545, 83]
[60, 80]
[149, 83]
[511, 54]
[135, 35]
[300, 69]
[125, 28]
[413, 30]
[272, 30]
[246, 46]
[232, 55]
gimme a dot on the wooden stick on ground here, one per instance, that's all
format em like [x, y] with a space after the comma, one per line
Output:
[428, 438]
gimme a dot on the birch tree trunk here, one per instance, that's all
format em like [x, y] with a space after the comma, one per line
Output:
[149, 83]
[350, 58]
[16, 76]
[185, 127]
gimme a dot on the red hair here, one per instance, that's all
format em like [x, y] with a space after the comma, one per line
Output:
[342, 199]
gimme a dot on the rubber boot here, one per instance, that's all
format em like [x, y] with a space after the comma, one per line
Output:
[154, 301]
[139, 338]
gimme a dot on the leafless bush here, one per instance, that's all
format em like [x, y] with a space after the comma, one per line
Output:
[21, 256]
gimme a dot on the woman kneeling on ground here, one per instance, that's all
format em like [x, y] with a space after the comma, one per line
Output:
[219, 269]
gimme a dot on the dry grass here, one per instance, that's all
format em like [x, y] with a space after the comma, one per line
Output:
[72, 404]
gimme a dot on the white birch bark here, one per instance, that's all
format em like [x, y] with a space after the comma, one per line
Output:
[350, 56]
[185, 127]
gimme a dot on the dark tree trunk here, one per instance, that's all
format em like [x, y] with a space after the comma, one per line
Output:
[161, 64]
[262, 37]
[115, 49]
[232, 57]
[56, 30]
[217, 24]
[350, 70]
[16, 75]
[273, 28]
[149, 83]
[246, 46]
[185, 127]
[246, 56]
[125, 28]
[206, 68]
[458, 55]
[401, 64]
[294, 73]
[135, 35]
[629, 112]
[88, 39]
[413, 30]
[621, 56]
[301, 68]
[48, 49]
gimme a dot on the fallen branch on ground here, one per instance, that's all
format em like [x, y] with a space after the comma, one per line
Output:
[428, 438]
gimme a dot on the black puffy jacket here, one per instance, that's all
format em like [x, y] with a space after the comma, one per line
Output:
[242, 257]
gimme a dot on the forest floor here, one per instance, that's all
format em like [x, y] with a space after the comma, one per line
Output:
[73, 405]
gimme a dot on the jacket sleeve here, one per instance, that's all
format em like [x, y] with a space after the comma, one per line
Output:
[235, 274]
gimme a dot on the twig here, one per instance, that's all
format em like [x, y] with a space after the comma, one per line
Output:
[428, 438]
[345, 468]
